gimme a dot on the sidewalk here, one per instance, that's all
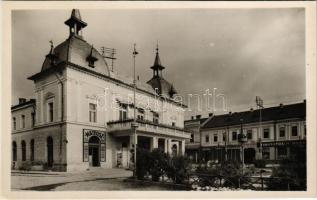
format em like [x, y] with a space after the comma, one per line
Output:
[25, 180]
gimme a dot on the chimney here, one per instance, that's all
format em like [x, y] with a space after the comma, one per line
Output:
[198, 116]
[193, 117]
[210, 114]
[22, 100]
[304, 100]
[230, 113]
[251, 109]
[281, 105]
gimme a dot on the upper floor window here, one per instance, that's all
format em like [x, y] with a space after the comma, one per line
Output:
[92, 112]
[155, 118]
[207, 138]
[234, 136]
[141, 114]
[23, 121]
[14, 123]
[305, 130]
[266, 133]
[249, 134]
[50, 111]
[192, 137]
[282, 132]
[215, 138]
[224, 136]
[294, 131]
[33, 118]
[123, 112]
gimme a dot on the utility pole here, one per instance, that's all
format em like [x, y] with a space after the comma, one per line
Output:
[134, 124]
[259, 103]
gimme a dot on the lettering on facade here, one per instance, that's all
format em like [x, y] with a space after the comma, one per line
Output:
[283, 143]
[87, 134]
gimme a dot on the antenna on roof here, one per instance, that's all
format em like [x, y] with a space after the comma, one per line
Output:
[109, 54]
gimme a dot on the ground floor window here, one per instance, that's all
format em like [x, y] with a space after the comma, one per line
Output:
[32, 150]
[50, 148]
[266, 153]
[281, 152]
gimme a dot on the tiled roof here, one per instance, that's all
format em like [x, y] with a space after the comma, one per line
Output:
[30, 102]
[297, 110]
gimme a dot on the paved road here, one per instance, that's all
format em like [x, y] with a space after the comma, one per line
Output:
[38, 180]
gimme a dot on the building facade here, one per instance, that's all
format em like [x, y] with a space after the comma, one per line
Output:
[82, 112]
[268, 134]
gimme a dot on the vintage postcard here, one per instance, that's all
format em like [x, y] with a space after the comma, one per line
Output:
[158, 99]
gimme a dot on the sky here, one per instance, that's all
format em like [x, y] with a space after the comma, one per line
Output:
[242, 52]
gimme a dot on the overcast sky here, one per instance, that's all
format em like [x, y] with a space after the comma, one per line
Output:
[241, 52]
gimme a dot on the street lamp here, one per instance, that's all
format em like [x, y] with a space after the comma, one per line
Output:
[242, 139]
[134, 125]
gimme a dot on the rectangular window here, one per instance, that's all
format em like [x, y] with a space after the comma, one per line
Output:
[266, 133]
[282, 132]
[155, 118]
[249, 134]
[173, 124]
[14, 123]
[141, 114]
[192, 137]
[207, 138]
[294, 131]
[123, 112]
[266, 153]
[23, 121]
[282, 152]
[234, 136]
[224, 136]
[215, 138]
[92, 112]
[33, 119]
[50, 112]
[305, 130]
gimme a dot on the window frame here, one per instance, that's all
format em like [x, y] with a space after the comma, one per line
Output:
[92, 112]
[267, 133]
[14, 119]
[123, 112]
[22, 121]
[249, 132]
[297, 132]
[234, 135]
[279, 131]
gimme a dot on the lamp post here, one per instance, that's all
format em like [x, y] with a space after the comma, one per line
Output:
[259, 103]
[134, 124]
[242, 140]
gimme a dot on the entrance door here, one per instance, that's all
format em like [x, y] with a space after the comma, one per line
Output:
[249, 155]
[94, 151]
[50, 158]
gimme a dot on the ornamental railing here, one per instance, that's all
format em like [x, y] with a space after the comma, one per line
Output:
[148, 126]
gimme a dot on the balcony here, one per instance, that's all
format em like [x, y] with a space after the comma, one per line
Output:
[124, 127]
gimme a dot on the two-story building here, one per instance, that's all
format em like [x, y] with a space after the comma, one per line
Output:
[270, 134]
[82, 112]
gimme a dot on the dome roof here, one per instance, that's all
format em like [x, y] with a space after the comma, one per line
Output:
[76, 50]
[164, 88]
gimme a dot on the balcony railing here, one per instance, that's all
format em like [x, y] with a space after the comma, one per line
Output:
[148, 126]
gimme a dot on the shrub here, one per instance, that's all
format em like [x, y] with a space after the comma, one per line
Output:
[177, 169]
[157, 163]
[143, 160]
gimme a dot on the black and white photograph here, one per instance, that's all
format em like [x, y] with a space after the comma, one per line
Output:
[153, 99]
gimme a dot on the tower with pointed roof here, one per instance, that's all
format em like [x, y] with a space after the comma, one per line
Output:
[75, 23]
[158, 83]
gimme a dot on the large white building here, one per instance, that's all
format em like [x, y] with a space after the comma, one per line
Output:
[82, 112]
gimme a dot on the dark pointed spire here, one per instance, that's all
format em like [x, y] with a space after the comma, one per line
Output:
[157, 61]
[157, 67]
[75, 23]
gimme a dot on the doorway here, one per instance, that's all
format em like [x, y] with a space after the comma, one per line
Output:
[94, 151]
[249, 155]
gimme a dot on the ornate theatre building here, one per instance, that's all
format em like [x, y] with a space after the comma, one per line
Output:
[82, 112]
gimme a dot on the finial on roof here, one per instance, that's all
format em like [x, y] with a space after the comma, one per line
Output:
[52, 46]
[157, 46]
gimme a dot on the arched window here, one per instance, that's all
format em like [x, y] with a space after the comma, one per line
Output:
[14, 151]
[32, 150]
[23, 148]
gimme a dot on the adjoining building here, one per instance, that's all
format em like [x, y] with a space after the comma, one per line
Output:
[281, 131]
[82, 112]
